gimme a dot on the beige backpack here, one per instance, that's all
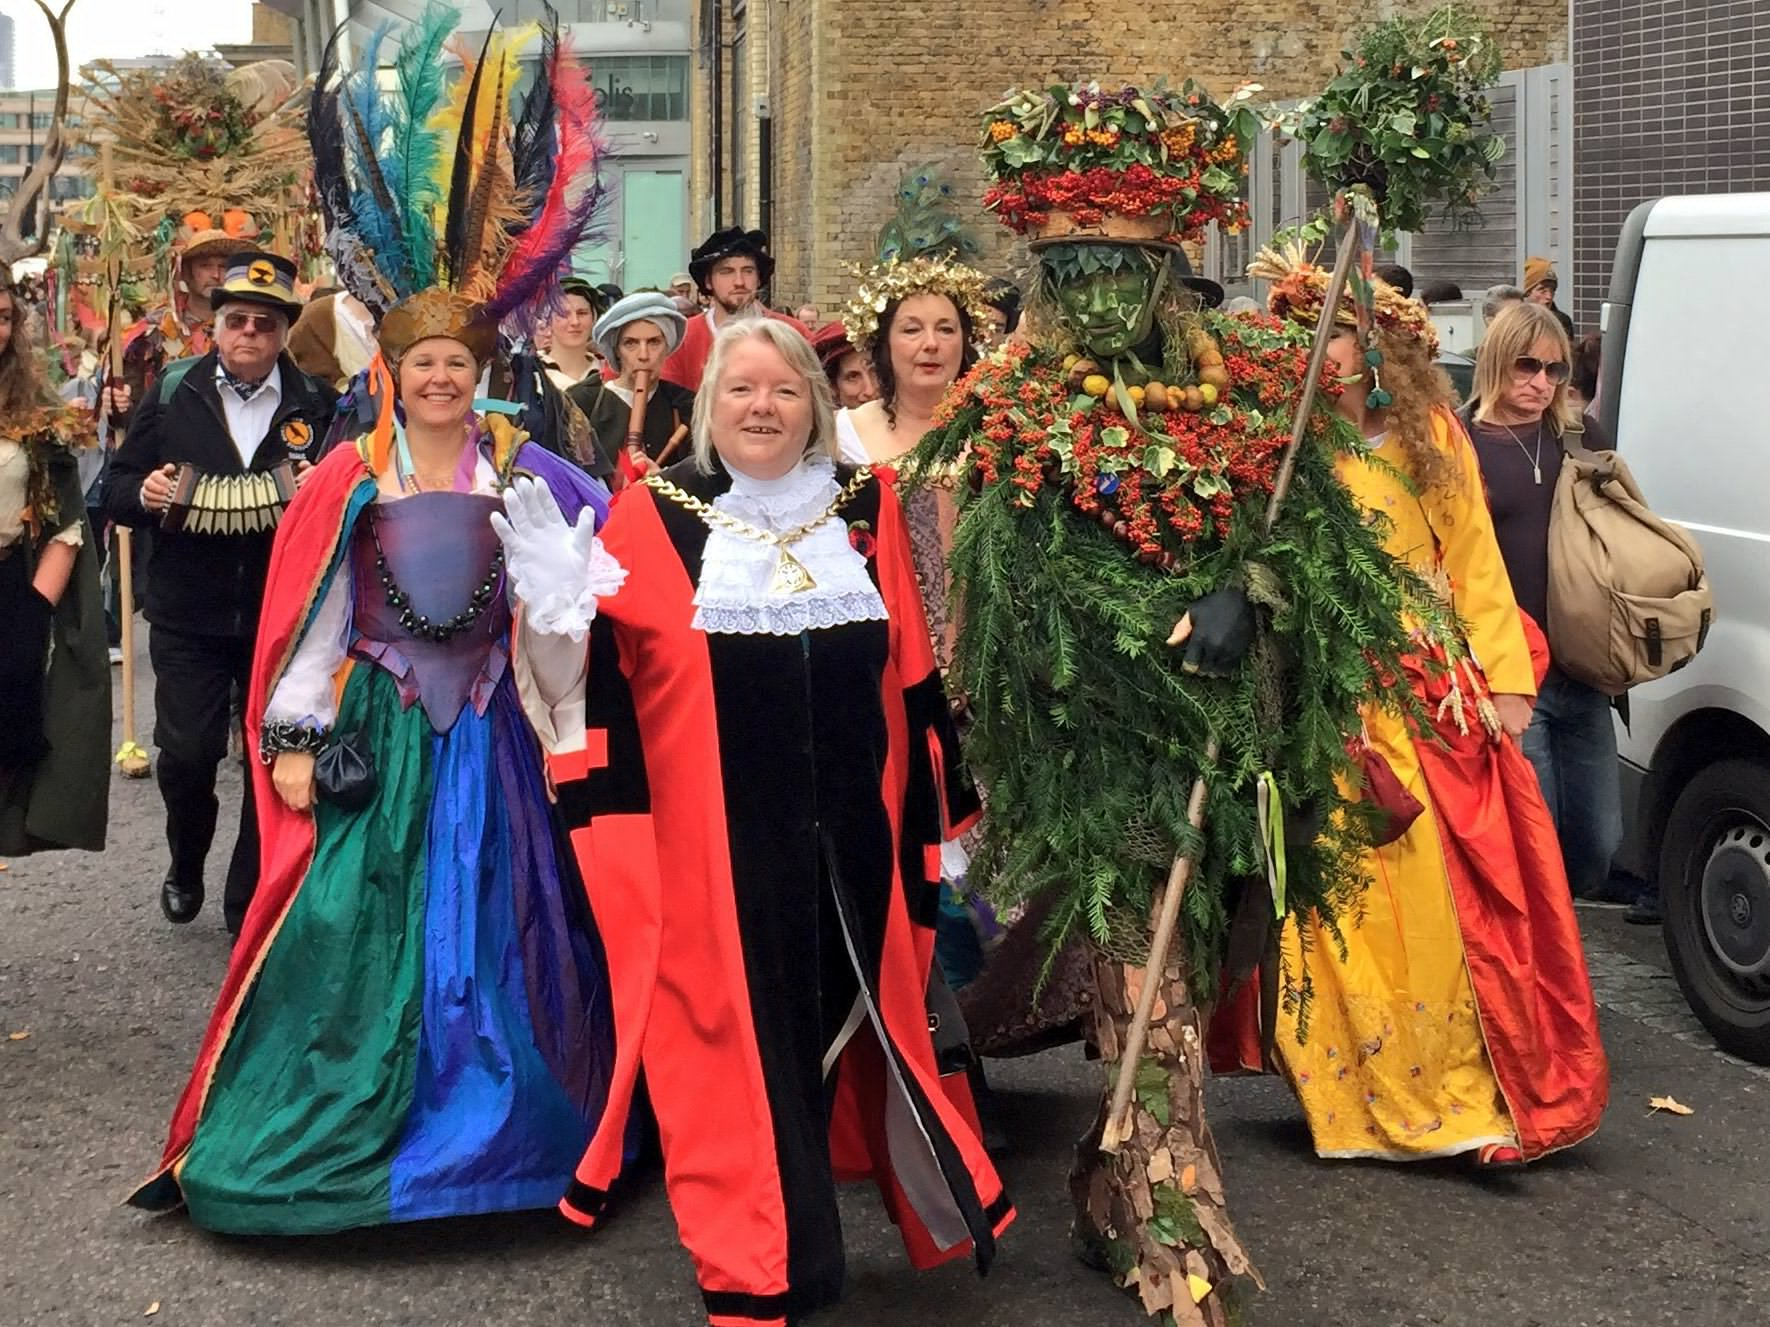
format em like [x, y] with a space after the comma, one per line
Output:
[1628, 598]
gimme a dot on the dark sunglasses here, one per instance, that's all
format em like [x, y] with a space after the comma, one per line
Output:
[1557, 371]
[236, 320]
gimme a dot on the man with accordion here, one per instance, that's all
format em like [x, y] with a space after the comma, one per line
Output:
[214, 453]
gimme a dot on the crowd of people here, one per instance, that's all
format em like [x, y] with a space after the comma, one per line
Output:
[591, 671]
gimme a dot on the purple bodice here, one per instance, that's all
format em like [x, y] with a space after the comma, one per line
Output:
[439, 548]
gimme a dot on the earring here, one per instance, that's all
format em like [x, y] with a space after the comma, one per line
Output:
[1378, 398]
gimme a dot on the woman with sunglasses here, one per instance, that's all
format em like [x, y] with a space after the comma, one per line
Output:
[1521, 422]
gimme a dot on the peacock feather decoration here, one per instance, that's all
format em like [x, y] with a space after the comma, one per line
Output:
[926, 221]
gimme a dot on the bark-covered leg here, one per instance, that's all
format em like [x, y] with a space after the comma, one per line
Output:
[1154, 1214]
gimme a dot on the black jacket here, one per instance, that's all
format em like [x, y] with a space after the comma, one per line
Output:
[207, 584]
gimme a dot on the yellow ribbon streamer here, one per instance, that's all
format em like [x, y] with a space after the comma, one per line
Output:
[1271, 815]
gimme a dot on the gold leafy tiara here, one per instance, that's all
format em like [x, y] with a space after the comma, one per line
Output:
[897, 280]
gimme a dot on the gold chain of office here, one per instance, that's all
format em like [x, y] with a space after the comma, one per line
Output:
[790, 574]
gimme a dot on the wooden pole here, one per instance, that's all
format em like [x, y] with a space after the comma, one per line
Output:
[676, 440]
[131, 759]
[1118, 1119]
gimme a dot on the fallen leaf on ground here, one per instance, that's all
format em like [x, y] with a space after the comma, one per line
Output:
[152, 1309]
[1670, 1105]
[17, 1036]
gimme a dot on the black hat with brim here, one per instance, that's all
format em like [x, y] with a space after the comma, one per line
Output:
[732, 242]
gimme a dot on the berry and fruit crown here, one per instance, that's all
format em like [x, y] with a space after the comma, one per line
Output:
[897, 280]
[1133, 163]
[1298, 291]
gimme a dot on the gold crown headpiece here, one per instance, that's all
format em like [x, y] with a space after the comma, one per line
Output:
[897, 280]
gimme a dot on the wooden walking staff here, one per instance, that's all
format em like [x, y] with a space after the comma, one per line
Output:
[1118, 1120]
[131, 758]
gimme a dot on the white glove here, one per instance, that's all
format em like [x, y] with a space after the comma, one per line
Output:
[557, 570]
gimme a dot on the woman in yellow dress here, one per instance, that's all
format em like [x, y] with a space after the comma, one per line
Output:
[1457, 1017]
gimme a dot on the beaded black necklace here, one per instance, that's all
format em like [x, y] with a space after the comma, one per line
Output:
[415, 622]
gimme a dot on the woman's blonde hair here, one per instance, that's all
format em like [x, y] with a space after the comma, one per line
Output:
[800, 357]
[1509, 337]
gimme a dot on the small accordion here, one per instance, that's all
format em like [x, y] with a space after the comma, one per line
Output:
[228, 504]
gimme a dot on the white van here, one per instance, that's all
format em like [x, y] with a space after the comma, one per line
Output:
[1686, 355]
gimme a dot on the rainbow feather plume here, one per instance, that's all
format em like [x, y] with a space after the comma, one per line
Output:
[427, 185]
[367, 121]
[529, 280]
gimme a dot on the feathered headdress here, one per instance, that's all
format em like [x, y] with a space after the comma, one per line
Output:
[926, 223]
[448, 209]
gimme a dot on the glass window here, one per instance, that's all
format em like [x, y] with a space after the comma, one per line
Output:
[9, 120]
[40, 119]
[9, 154]
[641, 87]
[633, 11]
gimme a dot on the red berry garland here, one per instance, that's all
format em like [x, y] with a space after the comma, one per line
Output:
[1160, 482]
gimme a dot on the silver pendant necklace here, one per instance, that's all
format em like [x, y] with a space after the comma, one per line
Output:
[1535, 459]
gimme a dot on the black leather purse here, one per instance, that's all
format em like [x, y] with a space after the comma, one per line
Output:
[342, 774]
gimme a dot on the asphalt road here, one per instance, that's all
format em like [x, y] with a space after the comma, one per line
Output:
[1660, 1219]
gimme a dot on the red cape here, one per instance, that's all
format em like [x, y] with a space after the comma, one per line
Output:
[306, 548]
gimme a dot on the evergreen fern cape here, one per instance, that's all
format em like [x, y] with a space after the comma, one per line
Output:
[1088, 525]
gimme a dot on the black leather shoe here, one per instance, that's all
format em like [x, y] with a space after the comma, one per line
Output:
[181, 903]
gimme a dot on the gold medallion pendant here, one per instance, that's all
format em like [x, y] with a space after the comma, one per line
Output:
[790, 575]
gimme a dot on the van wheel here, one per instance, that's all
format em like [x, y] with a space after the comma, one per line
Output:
[1714, 881]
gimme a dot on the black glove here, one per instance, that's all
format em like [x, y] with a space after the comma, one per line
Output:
[1222, 631]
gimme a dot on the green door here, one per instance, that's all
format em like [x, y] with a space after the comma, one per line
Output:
[651, 227]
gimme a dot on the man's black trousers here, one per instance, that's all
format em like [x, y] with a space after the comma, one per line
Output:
[195, 677]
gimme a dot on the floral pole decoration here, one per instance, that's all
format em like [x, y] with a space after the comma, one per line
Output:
[1403, 132]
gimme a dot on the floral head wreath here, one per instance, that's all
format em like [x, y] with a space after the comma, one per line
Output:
[1299, 289]
[897, 280]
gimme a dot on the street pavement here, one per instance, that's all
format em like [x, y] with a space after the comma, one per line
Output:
[1659, 1219]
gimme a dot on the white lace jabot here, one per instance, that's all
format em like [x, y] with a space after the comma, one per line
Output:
[735, 596]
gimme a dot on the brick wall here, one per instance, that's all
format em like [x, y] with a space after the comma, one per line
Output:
[861, 90]
[1670, 97]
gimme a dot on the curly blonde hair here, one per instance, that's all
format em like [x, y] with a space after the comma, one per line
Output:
[1421, 390]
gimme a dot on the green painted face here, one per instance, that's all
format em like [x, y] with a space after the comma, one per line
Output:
[1107, 294]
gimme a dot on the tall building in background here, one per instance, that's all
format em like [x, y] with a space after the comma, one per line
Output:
[639, 52]
[7, 33]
